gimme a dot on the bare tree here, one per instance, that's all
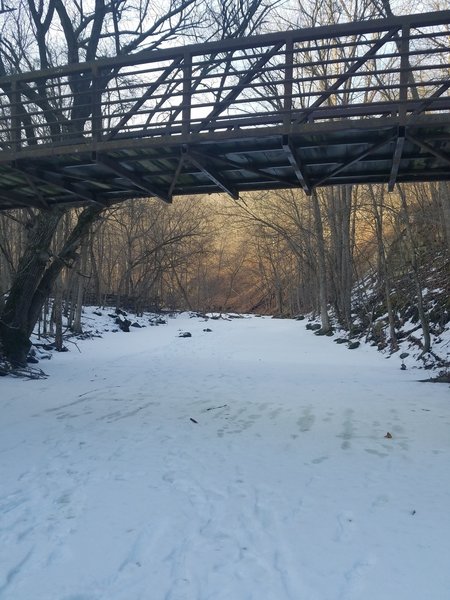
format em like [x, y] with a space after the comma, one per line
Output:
[47, 33]
[339, 208]
[377, 198]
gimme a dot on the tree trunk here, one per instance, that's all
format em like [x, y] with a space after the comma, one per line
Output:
[36, 275]
[441, 196]
[384, 271]
[321, 265]
[415, 273]
[339, 208]
[80, 287]
[57, 316]
[15, 325]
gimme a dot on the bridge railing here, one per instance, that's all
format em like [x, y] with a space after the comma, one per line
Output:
[398, 66]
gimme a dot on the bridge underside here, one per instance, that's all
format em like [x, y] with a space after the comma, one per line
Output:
[357, 152]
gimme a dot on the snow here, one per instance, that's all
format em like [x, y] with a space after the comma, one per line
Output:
[285, 487]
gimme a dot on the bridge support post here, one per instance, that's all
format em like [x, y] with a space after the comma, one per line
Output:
[405, 73]
[96, 99]
[15, 117]
[186, 100]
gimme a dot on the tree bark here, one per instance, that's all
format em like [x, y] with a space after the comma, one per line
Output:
[36, 274]
[415, 274]
[321, 265]
[15, 325]
[339, 208]
[440, 193]
[57, 315]
[80, 287]
[384, 271]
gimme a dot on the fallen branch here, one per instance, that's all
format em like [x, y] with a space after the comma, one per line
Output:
[216, 407]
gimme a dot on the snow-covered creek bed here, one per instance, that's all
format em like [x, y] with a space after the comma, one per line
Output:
[244, 463]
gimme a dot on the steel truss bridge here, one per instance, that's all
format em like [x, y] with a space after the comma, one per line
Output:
[355, 103]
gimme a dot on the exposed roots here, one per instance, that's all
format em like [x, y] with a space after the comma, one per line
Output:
[6, 368]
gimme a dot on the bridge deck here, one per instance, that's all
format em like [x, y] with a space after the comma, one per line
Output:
[357, 103]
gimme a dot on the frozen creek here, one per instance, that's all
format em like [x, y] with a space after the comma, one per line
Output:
[245, 463]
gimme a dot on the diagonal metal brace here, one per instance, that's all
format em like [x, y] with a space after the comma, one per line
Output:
[245, 167]
[428, 101]
[148, 94]
[58, 181]
[434, 151]
[396, 158]
[351, 71]
[176, 176]
[231, 96]
[295, 164]
[225, 186]
[354, 160]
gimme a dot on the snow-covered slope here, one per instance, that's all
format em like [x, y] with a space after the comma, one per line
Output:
[249, 462]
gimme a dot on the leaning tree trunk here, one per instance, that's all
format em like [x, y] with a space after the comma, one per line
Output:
[36, 274]
[15, 325]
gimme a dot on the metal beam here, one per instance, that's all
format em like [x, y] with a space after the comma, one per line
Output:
[396, 158]
[300, 35]
[225, 186]
[434, 151]
[428, 101]
[243, 167]
[117, 167]
[295, 164]
[15, 200]
[175, 177]
[39, 202]
[352, 161]
[58, 181]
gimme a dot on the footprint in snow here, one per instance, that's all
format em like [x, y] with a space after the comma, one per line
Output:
[345, 526]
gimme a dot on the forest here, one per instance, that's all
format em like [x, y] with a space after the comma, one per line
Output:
[371, 262]
[385, 259]
[228, 396]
